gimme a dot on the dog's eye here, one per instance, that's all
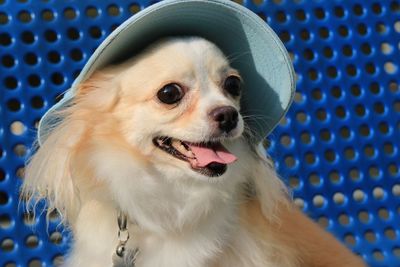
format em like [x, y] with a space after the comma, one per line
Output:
[232, 85]
[170, 93]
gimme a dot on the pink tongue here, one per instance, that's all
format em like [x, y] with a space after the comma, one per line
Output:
[207, 155]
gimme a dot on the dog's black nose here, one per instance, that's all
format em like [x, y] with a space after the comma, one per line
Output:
[227, 117]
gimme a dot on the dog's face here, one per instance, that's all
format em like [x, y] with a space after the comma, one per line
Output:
[179, 101]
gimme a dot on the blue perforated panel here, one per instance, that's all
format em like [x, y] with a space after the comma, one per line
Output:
[337, 148]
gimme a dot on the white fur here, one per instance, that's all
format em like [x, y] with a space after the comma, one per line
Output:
[101, 159]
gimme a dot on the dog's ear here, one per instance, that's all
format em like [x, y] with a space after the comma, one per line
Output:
[269, 188]
[48, 172]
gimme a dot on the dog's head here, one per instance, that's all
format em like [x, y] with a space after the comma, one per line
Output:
[179, 101]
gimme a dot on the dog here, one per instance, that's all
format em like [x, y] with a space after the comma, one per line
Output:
[160, 138]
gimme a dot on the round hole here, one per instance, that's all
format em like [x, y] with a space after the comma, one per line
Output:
[54, 57]
[336, 92]
[344, 219]
[383, 128]
[328, 52]
[7, 245]
[349, 153]
[319, 13]
[20, 150]
[378, 255]
[370, 236]
[390, 67]
[34, 80]
[20, 172]
[362, 29]
[286, 140]
[70, 13]
[390, 234]
[330, 155]
[301, 117]
[47, 15]
[319, 201]
[355, 175]
[32, 241]
[50, 36]
[95, 32]
[345, 132]
[76, 54]
[383, 214]
[28, 219]
[300, 15]
[334, 177]
[17, 128]
[134, 8]
[314, 180]
[4, 19]
[8, 61]
[31, 58]
[351, 70]
[370, 68]
[299, 203]
[285, 36]
[321, 114]
[375, 88]
[325, 135]
[290, 161]
[339, 12]
[324, 32]
[360, 110]
[376, 8]
[340, 112]
[5, 221]
[358, 10]
[92, 12]
[56, 238]
[316, 94]
[378, 193]
[343, 31]
[350, 239]
[57, 78]
[374, 172]
[37, 102]
[313, 75]
[58, 260]
[386, 48]
[35, 263]
[310, 158]
[11, 83]
[24, 16]
[281, 17]
[27, 37]
[339, 198]
[73, 33]
[369, 151]
[394, 87]
[396, 190]
[305, 138]
[323, 221]
[14, 105]
[113, 10]
[359, 195]
[381, 28]
[5, 39]
[364, 217]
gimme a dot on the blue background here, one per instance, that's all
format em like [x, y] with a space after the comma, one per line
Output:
[337, 148]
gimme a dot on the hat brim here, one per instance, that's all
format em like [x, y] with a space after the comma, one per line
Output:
[249, 43]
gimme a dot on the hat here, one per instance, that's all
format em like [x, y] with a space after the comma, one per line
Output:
[254, 49]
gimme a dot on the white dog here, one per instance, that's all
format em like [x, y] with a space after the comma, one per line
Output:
[160, 138]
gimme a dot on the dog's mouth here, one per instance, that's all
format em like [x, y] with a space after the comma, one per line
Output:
[208, 158]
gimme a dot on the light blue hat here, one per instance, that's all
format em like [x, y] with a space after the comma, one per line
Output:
[254, 48]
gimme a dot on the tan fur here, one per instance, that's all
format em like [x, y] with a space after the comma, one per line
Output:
[301, 237]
